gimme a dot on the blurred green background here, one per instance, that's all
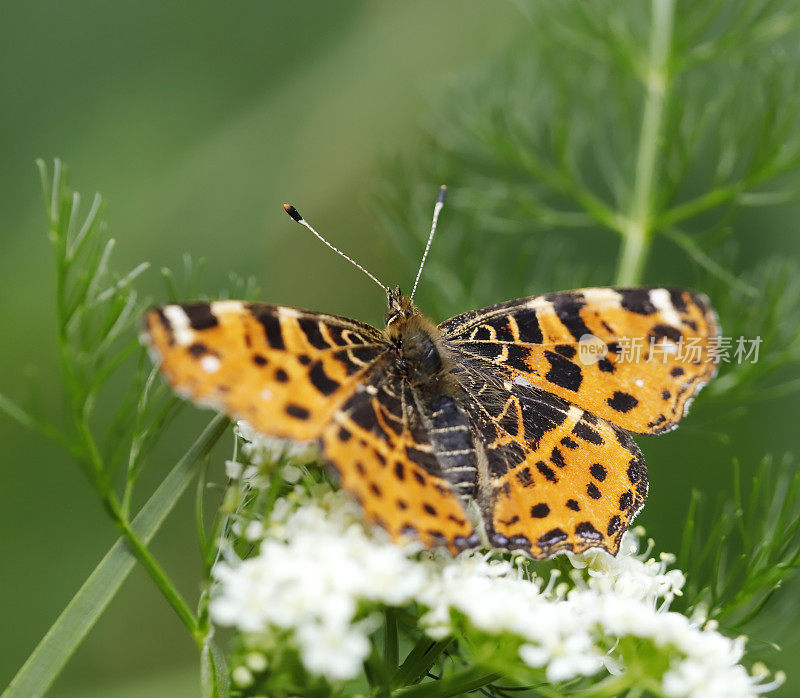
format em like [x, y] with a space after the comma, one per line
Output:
[196, 122]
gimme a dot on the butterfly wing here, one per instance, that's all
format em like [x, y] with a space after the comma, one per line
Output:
[538, 341]
[285, 371]
[308, 376]
[559, 478]
[381, 448]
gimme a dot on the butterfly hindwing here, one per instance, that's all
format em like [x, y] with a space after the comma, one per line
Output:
[380, 447]
[561, 478]
[652, 351]
[285, 371]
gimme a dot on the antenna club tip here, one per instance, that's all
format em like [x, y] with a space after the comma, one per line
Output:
[293, 212]
[442, 194]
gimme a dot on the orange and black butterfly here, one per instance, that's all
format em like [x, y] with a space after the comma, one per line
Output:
[496, 406]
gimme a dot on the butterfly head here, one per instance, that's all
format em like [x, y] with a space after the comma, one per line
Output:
[400, 307]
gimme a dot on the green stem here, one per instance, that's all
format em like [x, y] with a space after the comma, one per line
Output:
[638, 228]
[458, 684]
[390, 647]
[157, 574]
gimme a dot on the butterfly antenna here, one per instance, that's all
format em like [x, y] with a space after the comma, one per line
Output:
[294, 214]
[436, 210]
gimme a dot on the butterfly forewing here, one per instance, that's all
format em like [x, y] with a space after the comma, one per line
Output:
[283, 370]
[635, 357]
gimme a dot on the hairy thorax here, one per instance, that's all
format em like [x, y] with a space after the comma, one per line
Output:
[420, 351]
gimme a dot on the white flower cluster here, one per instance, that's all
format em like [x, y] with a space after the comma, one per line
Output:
[318, 567]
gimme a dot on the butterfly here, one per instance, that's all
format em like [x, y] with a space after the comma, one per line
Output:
[493, 427]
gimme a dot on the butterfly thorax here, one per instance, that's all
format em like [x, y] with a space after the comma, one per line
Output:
[419, 348]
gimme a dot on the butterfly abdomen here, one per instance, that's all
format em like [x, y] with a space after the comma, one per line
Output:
[451, 436]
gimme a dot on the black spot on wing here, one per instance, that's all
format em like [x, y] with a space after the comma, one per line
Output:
[311, 330]
[586, 530]
[272, 327]
[517, 358]
[587, 433]
[547, 471]
[200, 316]
[197, 350]
[567, 307]
[637, 300]
[541, 413]
[557, 458]
[566, 350]
[676, 296]
[321, 381]
[622, 402]
[563, 372]
[502, 329]
[668, 331]
[551, 538]
[528, 323]
[605, 365]
[598, 472]
[613, 525]
[483, 333]
[297, 411]
[540, 511]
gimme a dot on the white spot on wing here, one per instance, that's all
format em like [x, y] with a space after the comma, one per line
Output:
[210, 364]
[181, 327]
[221, 307]
[266, 394]
[605, 297]
[521, 380]
[639, 382]
[659, 297]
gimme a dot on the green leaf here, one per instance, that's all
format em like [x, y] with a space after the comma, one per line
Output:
[458, 684]
[421, 658]
[65, 635]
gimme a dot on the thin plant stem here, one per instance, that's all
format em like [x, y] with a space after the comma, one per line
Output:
[158, 575]
[637, 231]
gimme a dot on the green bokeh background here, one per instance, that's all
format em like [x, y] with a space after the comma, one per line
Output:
[197, 121]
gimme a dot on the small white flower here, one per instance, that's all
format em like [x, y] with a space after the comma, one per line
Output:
[254, 531]
[233, 469]
[332, 650]
[256, 661]
[241, 676]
